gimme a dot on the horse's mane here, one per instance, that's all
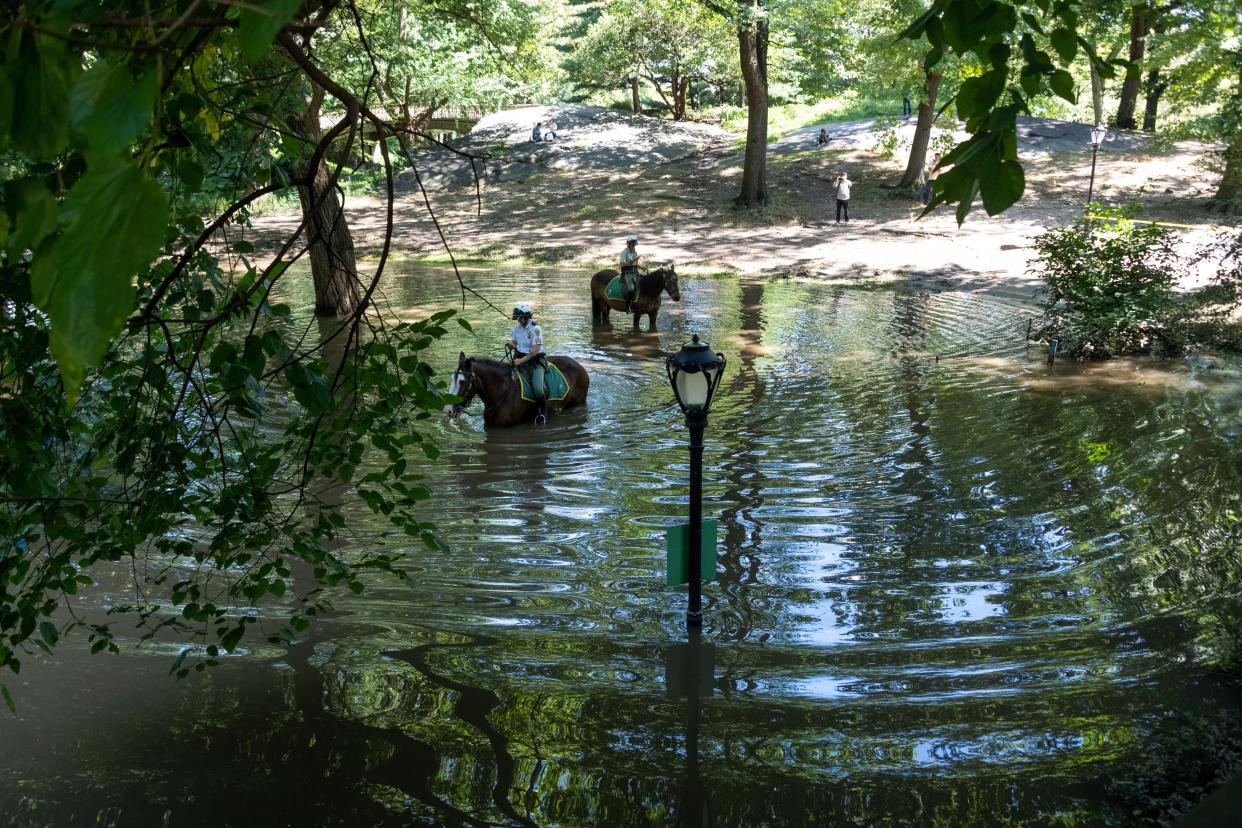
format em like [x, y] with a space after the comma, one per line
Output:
[490, 363]
[652, 282]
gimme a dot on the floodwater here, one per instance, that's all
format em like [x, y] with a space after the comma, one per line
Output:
[954, 586]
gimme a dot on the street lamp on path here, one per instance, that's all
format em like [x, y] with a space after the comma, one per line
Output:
[1098, 133]
[694, 372]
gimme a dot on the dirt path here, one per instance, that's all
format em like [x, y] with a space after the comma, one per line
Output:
[572, 202]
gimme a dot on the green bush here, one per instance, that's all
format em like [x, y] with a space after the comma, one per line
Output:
[1110, 287]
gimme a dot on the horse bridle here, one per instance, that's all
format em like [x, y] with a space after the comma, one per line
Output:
[465, 389]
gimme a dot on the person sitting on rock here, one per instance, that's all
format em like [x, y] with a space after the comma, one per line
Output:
[549, 130]
[823, 136]
[629, 271]
[536, 134]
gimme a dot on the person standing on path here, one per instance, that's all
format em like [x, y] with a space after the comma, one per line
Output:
[843, 196]
[907, 109]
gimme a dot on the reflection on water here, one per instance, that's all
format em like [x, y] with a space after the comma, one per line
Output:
[953, 581]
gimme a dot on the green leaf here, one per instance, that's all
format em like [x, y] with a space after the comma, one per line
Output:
[464, 323]
[1062, 84]
[229, 640]
[49, 632]
[1001, 185]
[915, 29]
[191, 173]
[116, 217]
[257, 27]
[964, 204]
[35, 209]
[8, 699]
[110, 108]
[1065, 44]
[43, 74]
[6, 107]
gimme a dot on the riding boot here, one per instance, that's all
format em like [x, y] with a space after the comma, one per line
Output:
[542, 417]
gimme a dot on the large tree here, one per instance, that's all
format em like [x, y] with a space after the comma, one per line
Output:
[141, 346]
[668, 43]
[1140, 25]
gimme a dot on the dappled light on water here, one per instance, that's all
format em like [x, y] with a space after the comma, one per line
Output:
[953, 582]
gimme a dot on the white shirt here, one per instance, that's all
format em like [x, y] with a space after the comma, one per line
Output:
[843, 189]
[527, 337]
[628, 257]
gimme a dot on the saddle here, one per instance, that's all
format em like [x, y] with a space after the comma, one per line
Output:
[558, 386]
[615, 291]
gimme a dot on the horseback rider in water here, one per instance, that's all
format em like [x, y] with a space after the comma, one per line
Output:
[529, 358]
[629, 271]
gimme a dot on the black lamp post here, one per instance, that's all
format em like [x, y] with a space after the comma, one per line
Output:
[1098, 134]
[694, 372]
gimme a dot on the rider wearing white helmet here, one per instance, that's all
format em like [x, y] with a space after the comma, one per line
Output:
[629, 271]
[528, 357]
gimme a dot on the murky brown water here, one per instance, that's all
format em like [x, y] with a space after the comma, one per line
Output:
[953, 584]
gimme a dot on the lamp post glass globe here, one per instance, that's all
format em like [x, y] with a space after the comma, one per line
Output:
[692, 388]
[1098, 134]
[694, 372]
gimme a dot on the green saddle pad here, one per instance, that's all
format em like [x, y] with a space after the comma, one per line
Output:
[615, 289]
[558, 386]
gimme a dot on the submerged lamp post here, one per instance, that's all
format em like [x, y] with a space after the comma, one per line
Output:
[694, 372]
[1098, 134]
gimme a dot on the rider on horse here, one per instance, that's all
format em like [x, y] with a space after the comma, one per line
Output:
[529, 357]
[629, 271]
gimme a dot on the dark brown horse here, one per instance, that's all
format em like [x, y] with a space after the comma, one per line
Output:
[650, 286]
[495, 383]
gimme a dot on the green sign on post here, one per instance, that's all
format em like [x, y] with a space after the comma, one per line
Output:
[679, 560]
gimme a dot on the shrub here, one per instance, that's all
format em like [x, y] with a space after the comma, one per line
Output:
[1110, 287]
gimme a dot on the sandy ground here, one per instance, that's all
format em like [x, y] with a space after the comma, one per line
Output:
[572, 202]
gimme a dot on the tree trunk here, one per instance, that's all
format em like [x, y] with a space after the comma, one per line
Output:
[634, 102]
[753, 47]
[333, 266]
[1097, 94]
[679, 99]
[1228, 198]
[922, 133]
[1097, 87]
[1155, 88]
[1134, 72]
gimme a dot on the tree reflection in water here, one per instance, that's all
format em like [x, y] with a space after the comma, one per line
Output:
[950, 592]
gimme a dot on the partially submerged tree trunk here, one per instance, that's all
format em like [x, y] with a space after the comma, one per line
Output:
[1155, 88]
[753, 48]
[922, 133]
[333, 266]
[1134, 72]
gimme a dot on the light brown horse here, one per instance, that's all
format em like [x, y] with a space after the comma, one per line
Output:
[496, 384]
[650, 286]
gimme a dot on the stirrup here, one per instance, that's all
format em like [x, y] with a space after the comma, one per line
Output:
[541, 419]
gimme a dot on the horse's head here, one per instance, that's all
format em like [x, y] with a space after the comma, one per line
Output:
[670, 282]
[462, 386]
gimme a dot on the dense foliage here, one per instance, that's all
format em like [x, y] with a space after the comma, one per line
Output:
[176, 433]
[1112, 288]
[1108, 287]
